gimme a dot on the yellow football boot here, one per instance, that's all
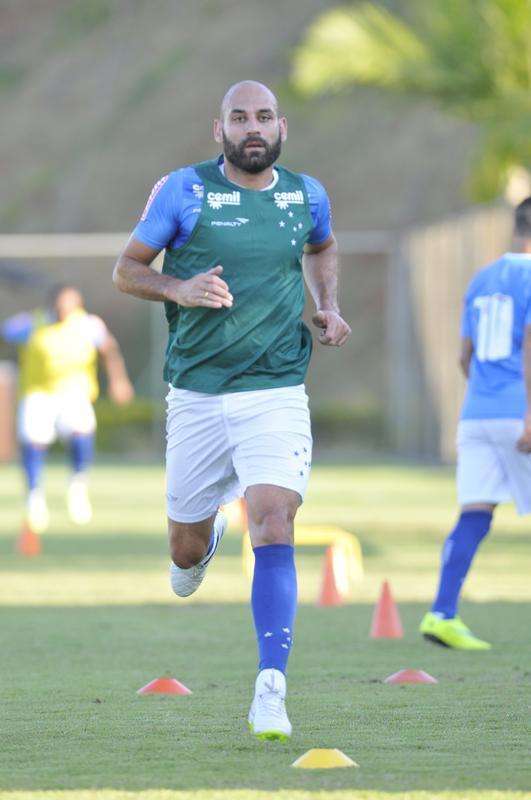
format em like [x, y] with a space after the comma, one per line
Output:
[450, 633]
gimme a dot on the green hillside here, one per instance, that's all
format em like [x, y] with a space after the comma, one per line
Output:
[100, 97]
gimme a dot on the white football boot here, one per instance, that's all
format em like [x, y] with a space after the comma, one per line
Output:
[185, 582]
[78, 501]
[37, 513]
[267, 716]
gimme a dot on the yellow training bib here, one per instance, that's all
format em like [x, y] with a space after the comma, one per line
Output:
[60, 357]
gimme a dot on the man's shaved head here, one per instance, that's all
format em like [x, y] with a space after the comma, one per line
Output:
[246, 91]
[249, 127]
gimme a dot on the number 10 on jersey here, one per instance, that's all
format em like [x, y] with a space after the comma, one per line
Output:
[495, 327]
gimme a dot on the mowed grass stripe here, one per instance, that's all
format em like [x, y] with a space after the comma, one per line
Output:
[168, 794]
[73, 657]
[400, 514]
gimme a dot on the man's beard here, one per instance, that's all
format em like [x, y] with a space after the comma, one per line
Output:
[253, 161]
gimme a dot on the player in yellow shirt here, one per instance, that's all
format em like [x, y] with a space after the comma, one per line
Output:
[58, 384]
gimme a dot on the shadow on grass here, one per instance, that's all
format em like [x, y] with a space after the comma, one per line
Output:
[122, 551]
[119, 551]
[502, 538]
[72, 718]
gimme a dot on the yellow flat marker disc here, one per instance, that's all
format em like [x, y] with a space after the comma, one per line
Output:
[323, 758]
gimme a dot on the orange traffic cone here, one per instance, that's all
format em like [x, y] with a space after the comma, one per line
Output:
[411, 676]
[164, 686]
[331, 594]
[28, 542]
[386, 622]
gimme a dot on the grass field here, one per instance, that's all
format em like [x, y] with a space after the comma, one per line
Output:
[92, 619]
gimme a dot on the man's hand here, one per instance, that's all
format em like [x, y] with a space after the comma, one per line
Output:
[206, 289]
[121, 391]
[334, 329]
[524, 442]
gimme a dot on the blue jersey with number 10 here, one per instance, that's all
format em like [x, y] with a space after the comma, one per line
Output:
[497, 310]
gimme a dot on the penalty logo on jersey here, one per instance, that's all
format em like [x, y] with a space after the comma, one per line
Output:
[218, 199]
[233, 223]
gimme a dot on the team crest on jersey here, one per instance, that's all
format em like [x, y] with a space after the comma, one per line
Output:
[218, 199]
[199, 190]
[285, 199]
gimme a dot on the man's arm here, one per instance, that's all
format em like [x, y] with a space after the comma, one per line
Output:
[320, 272]
[134, 275]
[524, 442]
[18, 329]
[120, 387]
[467, 349]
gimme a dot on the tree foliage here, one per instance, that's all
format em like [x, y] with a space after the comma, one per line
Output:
[473, 57]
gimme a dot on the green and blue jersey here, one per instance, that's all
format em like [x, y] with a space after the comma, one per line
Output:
[201, 219]
[175, 202]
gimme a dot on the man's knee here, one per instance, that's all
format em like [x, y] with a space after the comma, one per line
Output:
[272, 525]
[186, 556]
[187, 544]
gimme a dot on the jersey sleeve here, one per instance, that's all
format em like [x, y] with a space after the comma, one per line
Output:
[97, 330]
[18, 329]
[160, 220]
[319, 209]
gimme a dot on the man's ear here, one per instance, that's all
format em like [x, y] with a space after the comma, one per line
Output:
[218, 131]
[283, 125]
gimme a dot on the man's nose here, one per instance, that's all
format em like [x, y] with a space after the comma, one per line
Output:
[253, 126]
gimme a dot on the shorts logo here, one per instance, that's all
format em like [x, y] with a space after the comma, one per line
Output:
[154, 192]
[199, 190]
[217, 199]
[233, 223]
[285, 199]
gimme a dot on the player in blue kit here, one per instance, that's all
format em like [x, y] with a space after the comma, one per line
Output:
[239, 234]
[494, 434]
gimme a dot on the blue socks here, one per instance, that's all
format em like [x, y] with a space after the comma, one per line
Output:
[81, 451]
[458, 552]
[33, 461]
[274, 603]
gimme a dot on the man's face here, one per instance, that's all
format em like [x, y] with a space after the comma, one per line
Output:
[67, 301]
[251, 130]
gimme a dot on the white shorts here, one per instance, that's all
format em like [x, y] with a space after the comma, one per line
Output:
[489, 467]
[42, 417]
[218, 445]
